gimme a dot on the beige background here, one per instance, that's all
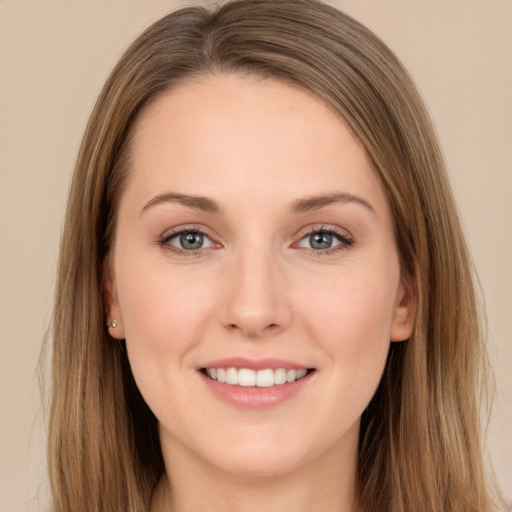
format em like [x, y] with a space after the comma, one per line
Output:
[54, 57]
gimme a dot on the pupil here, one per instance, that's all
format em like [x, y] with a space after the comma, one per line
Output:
[321, 241]
[191, 240]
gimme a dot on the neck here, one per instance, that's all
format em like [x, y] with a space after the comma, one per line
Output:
[324, 485]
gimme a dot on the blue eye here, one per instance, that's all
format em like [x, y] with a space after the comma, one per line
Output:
[320, 241]
[324, 240]
[188, 240]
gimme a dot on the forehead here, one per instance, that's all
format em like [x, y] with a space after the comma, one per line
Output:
[224, 133]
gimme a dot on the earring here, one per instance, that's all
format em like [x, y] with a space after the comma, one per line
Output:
[113, 324]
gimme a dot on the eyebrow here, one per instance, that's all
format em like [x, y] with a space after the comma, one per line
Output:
[196, 202]
[303, 205]
[317, 202]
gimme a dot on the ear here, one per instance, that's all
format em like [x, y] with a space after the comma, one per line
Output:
[114, 318]
[402, 324]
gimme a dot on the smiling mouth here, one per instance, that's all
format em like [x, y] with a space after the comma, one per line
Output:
[247, 377]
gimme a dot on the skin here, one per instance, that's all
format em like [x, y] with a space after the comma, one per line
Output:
[257, 289]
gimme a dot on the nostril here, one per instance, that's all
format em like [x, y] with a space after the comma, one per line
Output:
[269, 326]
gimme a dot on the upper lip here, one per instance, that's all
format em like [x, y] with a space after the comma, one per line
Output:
[254, 364]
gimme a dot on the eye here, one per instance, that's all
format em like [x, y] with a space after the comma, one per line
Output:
[188, 240]
[324, 240]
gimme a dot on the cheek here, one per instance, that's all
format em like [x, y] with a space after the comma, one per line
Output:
[164, 312]
[355, 309]
[162, 309]
[351, 324]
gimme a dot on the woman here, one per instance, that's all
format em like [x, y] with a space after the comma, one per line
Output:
[264, 295]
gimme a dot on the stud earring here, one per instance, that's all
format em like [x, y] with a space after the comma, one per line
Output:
[113, 324]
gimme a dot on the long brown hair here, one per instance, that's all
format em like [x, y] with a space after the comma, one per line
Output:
[420, 441]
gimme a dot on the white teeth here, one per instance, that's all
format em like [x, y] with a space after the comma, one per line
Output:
[231, 376]
[265, 378]
[301, 373]
[251, 378]
[246, 377]
[291, 375]
[221, 375]
[279, 376]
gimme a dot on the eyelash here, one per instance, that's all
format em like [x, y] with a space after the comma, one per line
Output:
[164, 242]
[344, 240]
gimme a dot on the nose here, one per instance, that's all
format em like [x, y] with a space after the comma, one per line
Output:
[256, 302]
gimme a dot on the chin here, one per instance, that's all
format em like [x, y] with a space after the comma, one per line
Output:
[261, 464]
[268, 453]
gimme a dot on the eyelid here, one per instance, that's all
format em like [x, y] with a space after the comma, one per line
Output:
[323, 228]
[188, 231]
[163, 240]
[343, 236]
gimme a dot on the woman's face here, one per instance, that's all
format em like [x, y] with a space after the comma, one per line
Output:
[254, 243]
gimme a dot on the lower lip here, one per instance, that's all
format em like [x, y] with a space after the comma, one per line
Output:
[255, 397]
